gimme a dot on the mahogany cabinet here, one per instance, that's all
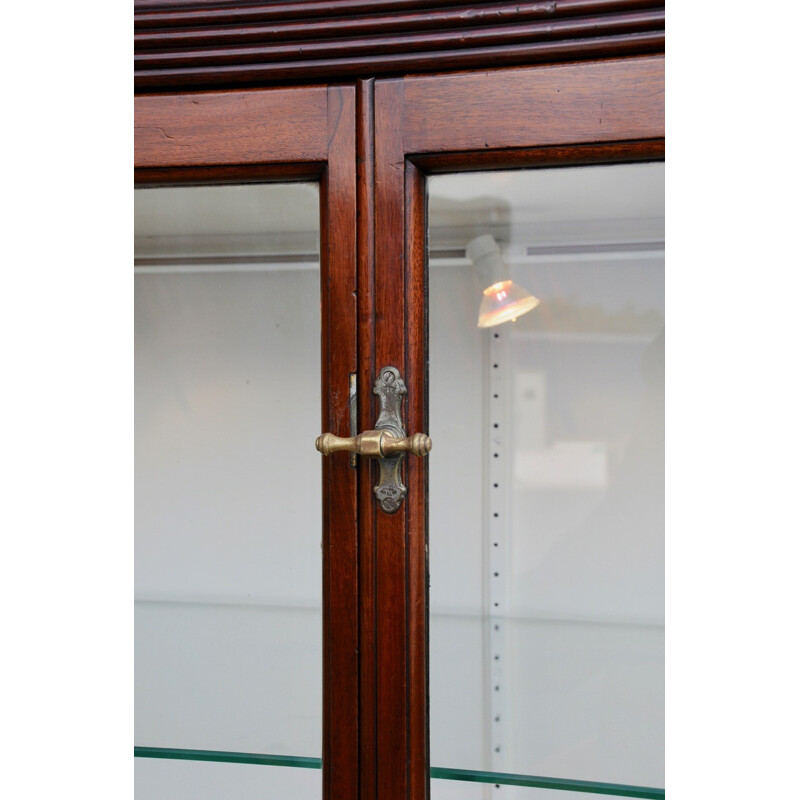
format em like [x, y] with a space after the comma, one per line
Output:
[368, 104]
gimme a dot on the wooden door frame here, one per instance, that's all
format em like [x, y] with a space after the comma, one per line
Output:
[581, 113]
[371, 146]
[289, 135]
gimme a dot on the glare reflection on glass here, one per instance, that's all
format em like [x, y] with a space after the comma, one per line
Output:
[502, 300]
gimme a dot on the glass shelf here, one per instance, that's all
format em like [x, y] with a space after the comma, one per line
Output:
[437, 773]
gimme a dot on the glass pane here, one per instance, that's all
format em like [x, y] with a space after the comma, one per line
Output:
[442, 789]
[228, 560]
[546, 529]
[160, 779]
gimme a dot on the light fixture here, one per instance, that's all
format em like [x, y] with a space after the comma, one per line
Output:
[502, 300]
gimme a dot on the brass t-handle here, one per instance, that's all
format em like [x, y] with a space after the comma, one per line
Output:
[374, 444]
[388, 442]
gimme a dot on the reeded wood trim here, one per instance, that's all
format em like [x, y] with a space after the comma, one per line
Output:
[206, 46]
[593, 102]
[207, 128]
[338, 69]
[182, 12]
[383, 45]
[206, 30]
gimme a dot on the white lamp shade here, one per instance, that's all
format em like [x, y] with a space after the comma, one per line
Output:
[503, 300]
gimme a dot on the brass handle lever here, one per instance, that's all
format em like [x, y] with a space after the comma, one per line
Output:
[374, 444]
[388, 442]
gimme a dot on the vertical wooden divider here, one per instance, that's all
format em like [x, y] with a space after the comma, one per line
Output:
[340, 538]
[416, 328]
[391, 530]
[365, 148]
[392, 547]
[400, 539]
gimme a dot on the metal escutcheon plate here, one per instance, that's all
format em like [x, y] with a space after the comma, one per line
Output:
[390, 388]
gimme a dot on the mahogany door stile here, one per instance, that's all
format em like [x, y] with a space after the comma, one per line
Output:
[394, 553]
[340, 608]
[391, 530]
[417, 481]
[367, 370]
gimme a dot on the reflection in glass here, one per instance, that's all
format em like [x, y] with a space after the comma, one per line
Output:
[502, 300]
[228, 565]
[546, 532]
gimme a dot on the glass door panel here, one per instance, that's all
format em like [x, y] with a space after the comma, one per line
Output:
[228, 509]
[547, 485]
[169, 779]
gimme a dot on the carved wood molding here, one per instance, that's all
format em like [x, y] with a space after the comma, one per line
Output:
[202, 44]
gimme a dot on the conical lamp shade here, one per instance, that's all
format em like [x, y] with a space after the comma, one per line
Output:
[503, 300]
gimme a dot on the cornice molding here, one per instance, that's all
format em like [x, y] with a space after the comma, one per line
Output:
[202, 44]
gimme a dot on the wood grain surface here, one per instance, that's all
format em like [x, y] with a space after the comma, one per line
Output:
[340, 503]
[367, 414]
[583, 102]
[237, 127]
[391, 530]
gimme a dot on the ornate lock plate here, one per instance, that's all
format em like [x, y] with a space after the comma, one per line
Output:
[390, 388]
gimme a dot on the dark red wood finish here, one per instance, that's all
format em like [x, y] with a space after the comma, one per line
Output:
[348, 16]
[277, 135]
[340, 611]
[223, 128]
[393, 547]
[367, 414]
[593, 102]
[220, 53]
[197, 45]
[473, 160]
[416, 337]
[391, 530]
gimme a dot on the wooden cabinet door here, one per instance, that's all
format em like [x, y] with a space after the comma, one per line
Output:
[247, 617]
[600, 113]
